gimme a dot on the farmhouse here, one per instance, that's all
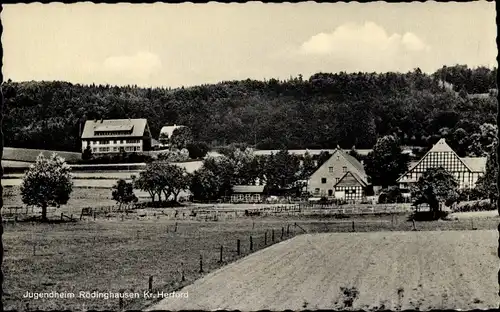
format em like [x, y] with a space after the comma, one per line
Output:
[466, 170]
[166, 134]
[341, 176]
[247, 194]
[116, 135]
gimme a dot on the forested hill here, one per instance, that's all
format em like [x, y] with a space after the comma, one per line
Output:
[322, 112]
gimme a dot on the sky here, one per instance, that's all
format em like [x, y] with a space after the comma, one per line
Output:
[173, 45]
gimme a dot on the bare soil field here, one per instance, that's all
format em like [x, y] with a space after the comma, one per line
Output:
[383, 270]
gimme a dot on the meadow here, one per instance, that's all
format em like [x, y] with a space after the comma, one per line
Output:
[121, 252]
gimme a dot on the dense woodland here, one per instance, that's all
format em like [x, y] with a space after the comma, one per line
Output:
[322, 112]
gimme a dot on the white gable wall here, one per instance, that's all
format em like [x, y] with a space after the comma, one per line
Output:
[336, 162]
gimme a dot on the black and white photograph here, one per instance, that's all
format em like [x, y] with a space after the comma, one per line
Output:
[249, 156]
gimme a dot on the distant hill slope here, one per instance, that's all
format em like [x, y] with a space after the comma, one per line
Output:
[30, 155]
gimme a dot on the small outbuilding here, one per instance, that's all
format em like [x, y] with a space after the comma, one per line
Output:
[247, 194]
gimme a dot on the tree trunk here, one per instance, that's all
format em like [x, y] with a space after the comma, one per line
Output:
[175, 195]
[44, 212]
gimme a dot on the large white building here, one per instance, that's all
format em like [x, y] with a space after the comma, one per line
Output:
[116, 135]
[466, 170]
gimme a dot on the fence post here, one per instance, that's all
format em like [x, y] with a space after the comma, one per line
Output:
[182, 272]
[265, 238]
[253, 225]
[94, 215]
[120, 300]
[150, 283]
[353, 229]
[220, 259]
[238, 247]
[282, 232]
[413, 223]
[288, 230]
[251, 243]
[201, 263]
[175, 227]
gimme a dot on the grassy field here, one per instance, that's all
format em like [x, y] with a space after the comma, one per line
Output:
[114, 255]
[30, 155]
[375, 271]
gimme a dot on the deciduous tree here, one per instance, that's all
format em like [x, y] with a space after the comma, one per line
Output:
[123, 193]
[386, 162]
[48, 182]
[435, 187]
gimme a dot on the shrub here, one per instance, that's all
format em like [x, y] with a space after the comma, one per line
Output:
[479, 205]
[390, 195]
[197, 150]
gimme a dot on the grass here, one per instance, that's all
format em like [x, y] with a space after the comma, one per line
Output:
[111, 256]
[30, 155]
[114, 255]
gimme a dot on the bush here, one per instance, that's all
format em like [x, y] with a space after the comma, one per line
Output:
[197, 150]
[158, 204]
[174, 155]
[390, 195]
[117, 159]
[479, 205]
[428, 215]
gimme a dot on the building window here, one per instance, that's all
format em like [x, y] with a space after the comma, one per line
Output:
[330, 169]
[330, 192]
[344, 169]
[94, 150]
[338, 157]
[323, 180]
[316, 191]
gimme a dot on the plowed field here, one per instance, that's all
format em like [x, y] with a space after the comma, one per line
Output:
[380, 270]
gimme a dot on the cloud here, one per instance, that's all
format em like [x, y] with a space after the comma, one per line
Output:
[365, 47]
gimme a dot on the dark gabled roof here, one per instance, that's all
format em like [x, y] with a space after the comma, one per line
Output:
[355, 176]
[136, 126]
[248, 189]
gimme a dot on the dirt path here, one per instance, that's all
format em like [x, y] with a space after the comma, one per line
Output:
[388, 270]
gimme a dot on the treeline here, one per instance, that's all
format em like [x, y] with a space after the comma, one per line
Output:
[322, 112]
